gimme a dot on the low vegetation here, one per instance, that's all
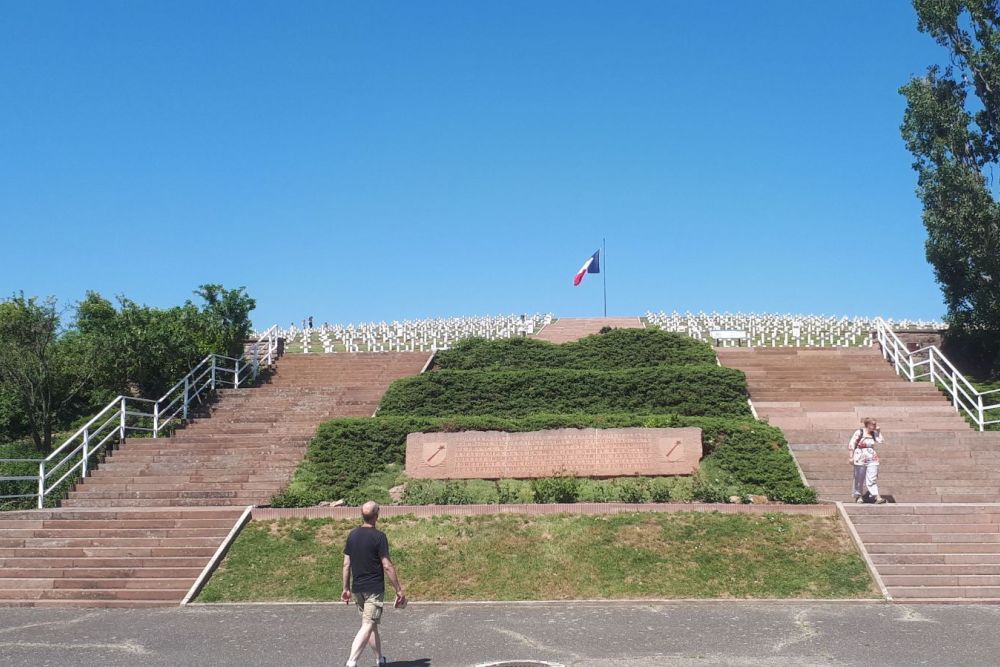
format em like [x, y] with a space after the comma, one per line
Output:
[511, 557]
[348, 458]
[697, 390]
[617, 349]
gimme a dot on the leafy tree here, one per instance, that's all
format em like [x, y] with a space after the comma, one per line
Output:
[52, 375]
[952, 127]
[44, 369]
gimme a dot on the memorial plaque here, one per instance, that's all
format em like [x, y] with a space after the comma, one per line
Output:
[592, 452]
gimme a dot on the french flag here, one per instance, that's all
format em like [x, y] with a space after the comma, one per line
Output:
[592, 265]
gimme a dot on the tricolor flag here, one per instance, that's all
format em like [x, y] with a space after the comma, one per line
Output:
[592, 265]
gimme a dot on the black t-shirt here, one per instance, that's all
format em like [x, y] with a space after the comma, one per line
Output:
[367, 547]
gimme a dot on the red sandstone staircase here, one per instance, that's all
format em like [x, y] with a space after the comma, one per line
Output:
[568, 329]
[934, 553]
[134, 557]
[818, 398]
[923, 552]
[142, 526]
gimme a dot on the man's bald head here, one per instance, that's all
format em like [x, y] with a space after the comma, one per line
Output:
[369, 511]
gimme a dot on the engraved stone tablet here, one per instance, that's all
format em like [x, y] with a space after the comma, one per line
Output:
[592, 452]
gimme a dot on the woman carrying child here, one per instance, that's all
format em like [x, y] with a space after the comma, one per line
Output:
[865, 460]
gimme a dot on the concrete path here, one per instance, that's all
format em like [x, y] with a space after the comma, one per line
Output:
[446, 635]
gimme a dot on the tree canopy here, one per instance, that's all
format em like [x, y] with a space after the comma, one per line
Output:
[54, 373]
[952, 128]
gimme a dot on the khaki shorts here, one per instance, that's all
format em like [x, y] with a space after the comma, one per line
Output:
[370, 605]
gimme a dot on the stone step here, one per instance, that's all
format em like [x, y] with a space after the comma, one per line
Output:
[163, 502]
[165, 595]
[105, 573]
[939, 569]
[122, 564]
[951, 592]
[106, 542]
[106, 552]
[13, 533]
[11, 584]
[182, 486]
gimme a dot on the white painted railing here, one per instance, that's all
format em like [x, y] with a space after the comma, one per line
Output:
[928, 363]
[128, 414]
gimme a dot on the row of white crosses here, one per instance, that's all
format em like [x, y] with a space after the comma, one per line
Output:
[408, 335]
[774, 330]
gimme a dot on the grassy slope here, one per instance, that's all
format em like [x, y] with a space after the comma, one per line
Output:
[507, 557]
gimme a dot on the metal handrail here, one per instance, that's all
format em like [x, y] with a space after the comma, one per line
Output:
[964, 395]
[130, 414]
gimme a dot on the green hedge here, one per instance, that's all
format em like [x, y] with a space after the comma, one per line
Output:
[742, 456]
[617, 349]
[699, 390]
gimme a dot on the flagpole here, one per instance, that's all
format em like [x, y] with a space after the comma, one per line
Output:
[604, 251]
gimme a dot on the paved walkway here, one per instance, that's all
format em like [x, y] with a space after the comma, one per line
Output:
[577, 634]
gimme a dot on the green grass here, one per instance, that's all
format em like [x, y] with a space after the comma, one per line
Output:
[510, 557]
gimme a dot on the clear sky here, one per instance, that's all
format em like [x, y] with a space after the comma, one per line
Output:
[376, 160]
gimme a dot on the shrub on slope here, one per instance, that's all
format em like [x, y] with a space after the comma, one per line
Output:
[738, 452]
[698, 390]
[620, 348]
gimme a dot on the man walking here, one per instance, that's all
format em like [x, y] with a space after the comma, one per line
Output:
[366, 562]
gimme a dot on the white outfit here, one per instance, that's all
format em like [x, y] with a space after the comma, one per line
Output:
[862, 447]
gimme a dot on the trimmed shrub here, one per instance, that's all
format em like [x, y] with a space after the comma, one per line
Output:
[633, 489]
[596, 491]
[425, 492]
[345, 452]
[615, 349]
[515, 491]
[698, 390]
[555, 489]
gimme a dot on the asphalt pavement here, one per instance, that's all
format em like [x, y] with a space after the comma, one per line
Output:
[580, 634]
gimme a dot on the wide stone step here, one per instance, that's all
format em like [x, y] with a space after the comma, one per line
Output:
[241, 501]
[105, 542]
[991, 593]
[187, 573]
[11, 584]
[121, 564]
[146, 488]
[939, 569]
[106, 552]
[90, 594]
[14, 533]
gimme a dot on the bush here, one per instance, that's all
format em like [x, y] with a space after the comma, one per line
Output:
[659, 489]
[425, 492]
[614, 349]
[555, 489]
[681, 489]
[515, 491]
[346, 452]
[596, 491]
[697, 390]
[633, 489]
[794, 494]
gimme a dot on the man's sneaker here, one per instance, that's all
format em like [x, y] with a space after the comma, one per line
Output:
[879, 500]
[382, 662]
[859, 500]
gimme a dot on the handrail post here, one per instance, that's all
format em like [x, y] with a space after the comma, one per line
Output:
[156, 419]
[86, 447]
[187, 387]
[213, 373]
[954, 389]
[236, 375]
[122, 425]
[982, 418]
[41, 484]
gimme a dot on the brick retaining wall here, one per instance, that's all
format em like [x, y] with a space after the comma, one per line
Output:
[261, 513]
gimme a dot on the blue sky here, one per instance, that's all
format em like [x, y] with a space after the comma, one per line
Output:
[360, 161]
